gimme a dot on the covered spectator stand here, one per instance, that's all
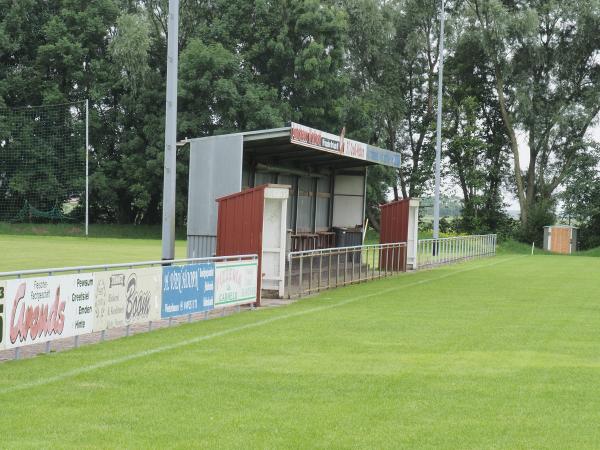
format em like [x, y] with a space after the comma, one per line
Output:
[326, 174]
[400, 223]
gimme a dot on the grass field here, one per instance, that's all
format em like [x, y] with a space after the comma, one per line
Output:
[95, 230]
[495, 353]
[40, 252]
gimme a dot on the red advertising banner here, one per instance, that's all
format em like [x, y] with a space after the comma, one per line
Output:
[320, 140]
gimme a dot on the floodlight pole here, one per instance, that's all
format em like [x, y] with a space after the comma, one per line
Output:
[438, 147]
[170, 162]
[87, 166]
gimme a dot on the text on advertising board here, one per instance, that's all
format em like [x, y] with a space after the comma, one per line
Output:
[235, 283]
[321, 140]
[127, 297]
[187, 289]
[314, 138]
[44, 309]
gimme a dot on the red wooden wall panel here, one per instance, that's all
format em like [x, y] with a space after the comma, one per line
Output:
[240, 226]
[393, 229]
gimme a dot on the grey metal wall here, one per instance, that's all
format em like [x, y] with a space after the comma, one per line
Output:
[349, 200]
[306, 213]
[201, 246]
[323, 203]
[215, 171]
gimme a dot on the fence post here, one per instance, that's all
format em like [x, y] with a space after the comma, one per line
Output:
[360, 259]
[290, 267]
[301, 265]
[373, 277]
[387, 260]
[320, 271]
[345, 264]
[310, 274]
[337, 269]
[352, 274]
[328, 268]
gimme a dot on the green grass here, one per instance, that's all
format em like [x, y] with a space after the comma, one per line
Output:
[78, 230]
[495, 353]
[38, 252]
[594, 252]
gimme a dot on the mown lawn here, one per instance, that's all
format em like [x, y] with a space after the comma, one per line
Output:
[20, 252]
[495, 353]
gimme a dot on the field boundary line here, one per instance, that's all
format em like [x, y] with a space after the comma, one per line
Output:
[198, 339]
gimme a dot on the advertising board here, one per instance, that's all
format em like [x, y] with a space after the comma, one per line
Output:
[381, 156]
[187, 289]
[2, 295]
[320, 140]
[47, 308]
[235, 283]
[354, 149]
[126, 297]
[311, 137]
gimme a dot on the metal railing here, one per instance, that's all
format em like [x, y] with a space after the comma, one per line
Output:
[101, 335]
[130, 265]
[435, 252]
[312, 271]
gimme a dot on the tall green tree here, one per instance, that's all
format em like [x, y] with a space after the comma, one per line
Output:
[543, 54]
[477, 150]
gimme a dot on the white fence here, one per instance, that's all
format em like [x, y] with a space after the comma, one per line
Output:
[435, 252]
[45, 305]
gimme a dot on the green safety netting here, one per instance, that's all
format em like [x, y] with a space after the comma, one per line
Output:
[29, 213]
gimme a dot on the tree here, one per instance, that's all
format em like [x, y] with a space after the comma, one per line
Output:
[581, 199]
[394, 57]
[477, 148]
[546, 72]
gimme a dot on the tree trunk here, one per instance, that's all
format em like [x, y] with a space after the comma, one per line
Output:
[514, 145]
[374, 221]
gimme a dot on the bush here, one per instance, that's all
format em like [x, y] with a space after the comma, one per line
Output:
[539, 216]
[589, 233]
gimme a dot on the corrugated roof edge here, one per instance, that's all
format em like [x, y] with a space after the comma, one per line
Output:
[375, 154]
[272, 132]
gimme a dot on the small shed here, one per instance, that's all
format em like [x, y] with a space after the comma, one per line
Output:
[254, 222]
[560, 239]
